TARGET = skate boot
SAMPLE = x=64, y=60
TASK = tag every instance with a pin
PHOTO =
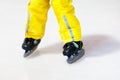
x=30, y=45
x=73, y=50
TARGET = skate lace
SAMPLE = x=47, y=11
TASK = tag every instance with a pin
x=30, y=41
x=71, y=44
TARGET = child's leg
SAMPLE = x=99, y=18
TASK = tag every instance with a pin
x=37, y=16
x=69, y=25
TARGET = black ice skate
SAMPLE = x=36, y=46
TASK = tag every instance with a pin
x=74, y=51
x=30, y=45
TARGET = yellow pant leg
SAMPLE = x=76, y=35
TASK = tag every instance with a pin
x=69, y=25
x=37, y=16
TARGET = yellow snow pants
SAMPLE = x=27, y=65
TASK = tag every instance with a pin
x=37, y=15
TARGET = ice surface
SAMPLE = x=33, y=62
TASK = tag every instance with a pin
x=100, y=22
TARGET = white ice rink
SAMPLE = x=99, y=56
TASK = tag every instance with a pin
x=100, y=22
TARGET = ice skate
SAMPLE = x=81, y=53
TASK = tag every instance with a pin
x=30, y=45
x=74, y=51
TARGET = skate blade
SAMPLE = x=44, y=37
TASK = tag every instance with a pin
x=29, y=52
x=76, y=57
